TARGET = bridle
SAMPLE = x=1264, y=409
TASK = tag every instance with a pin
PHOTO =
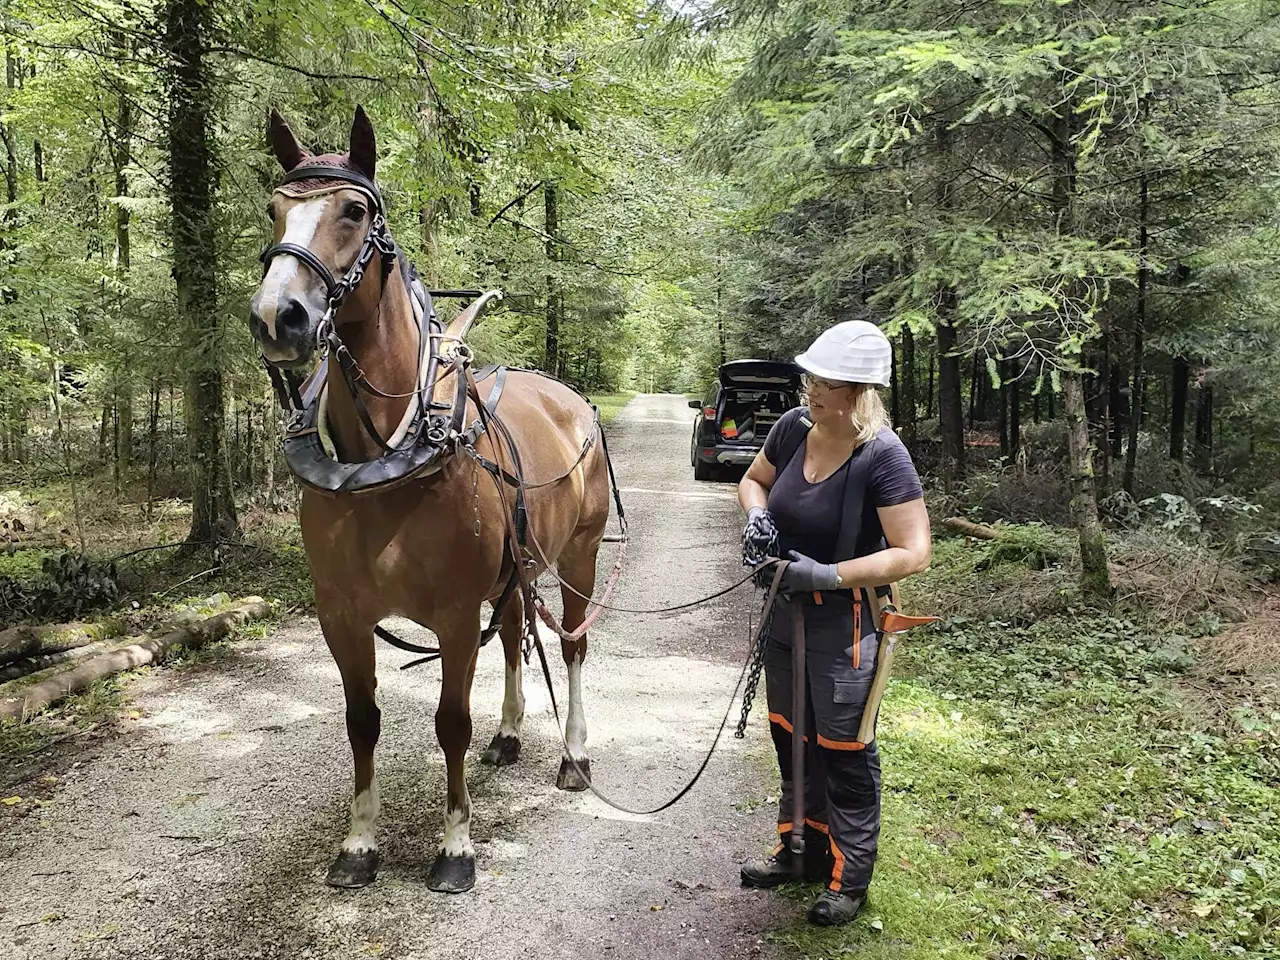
x=377, y=241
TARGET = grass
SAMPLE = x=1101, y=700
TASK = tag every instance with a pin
x=611, y=404
x=1049, y=793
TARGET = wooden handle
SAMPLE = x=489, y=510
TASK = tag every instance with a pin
x=884, y=664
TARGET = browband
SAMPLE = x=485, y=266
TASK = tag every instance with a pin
x=324, y=171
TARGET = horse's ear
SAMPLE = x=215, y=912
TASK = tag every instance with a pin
x=363, y=149
x=283, y=143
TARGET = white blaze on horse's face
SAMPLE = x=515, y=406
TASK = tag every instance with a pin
x=291, y=298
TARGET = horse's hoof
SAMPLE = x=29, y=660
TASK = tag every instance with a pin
x=452, y=874
x=503, y=751
x=569, y=778
x=353, y=870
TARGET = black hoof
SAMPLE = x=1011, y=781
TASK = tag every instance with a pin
x=503, y=751
x=352, y=870
x=569, y=778
x=452, y=874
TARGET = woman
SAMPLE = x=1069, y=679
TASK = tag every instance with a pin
x=838, y=489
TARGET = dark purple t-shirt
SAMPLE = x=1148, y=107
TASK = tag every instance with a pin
x=809, y=515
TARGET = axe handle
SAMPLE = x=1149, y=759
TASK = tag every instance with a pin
x=884, y=663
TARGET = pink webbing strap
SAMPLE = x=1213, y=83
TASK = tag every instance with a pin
x=597, y=608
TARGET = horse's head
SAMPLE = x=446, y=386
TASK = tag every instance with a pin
x=326, y=216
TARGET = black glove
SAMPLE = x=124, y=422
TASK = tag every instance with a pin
x=759, y=541
x=805, y=574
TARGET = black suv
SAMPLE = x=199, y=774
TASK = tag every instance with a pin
x=734, y=417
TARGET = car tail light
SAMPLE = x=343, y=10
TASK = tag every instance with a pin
x=708, y=451
x=709, y=412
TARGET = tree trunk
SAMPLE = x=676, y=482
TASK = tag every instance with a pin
x=1118, y=411
x=928, y=405
x=193, y=173
x=107, y=413
x=950, y=406
x=1204, y=430
x=724, y=354
x=269, y=452
x=1096, y=579
x=154, y=417
x=10, y=142
x=1136, y=397
x=1180, y=374
x=1015, y=418
x=1002, y=415
x=895, y=411
x=120, y=155
x=115, y=448
x=555, y=299
x=974, y=387
x=908, y=380
x=1094, y=575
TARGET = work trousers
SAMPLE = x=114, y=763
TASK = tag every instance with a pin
x=842, y=775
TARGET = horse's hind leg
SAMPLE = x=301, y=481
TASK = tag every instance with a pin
x=455, y=868
x=352, y=648
x=504, y=749
x=578, y=569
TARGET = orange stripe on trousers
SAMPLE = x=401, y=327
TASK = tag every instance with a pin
x=840, y=744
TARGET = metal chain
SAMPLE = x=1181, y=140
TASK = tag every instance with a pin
x=475, y=497
x=753, y=673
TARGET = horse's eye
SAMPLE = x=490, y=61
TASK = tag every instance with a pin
x=354, y=211
x=271, y=212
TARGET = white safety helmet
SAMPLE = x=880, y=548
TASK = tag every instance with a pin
x=851, y=352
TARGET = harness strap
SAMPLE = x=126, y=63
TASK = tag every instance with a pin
x=305, y=256
x=352, y=376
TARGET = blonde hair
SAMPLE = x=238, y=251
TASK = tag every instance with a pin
x=869, y=414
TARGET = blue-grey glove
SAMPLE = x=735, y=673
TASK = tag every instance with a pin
x=805, y=574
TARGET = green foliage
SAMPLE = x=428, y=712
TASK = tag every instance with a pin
x=69, y=585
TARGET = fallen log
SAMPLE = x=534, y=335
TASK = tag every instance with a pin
x=26, y=701
x=30, y=665
x=971, y=529
x=19, y=642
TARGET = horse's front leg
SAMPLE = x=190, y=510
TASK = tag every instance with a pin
x=351, y=643
x=455, y=868
x=505, y=746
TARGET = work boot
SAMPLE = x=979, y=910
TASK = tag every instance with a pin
x=835, y=909
x=775, y=870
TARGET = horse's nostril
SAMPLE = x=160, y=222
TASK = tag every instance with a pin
x=293, y=319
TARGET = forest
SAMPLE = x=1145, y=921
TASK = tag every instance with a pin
x=1063, y=213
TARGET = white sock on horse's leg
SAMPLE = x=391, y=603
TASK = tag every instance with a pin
x=513, y=702
x=457, y=830
x=364, y=820
x=575, y=728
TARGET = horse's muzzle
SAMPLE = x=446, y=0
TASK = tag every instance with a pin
x=294, y=334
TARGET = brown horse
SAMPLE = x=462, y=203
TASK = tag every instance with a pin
x=431, y=549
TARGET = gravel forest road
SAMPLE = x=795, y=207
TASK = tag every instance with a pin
x=203, y=830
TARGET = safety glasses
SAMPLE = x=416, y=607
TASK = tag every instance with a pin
x=812, y=383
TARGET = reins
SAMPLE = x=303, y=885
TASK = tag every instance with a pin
x=533, y=638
